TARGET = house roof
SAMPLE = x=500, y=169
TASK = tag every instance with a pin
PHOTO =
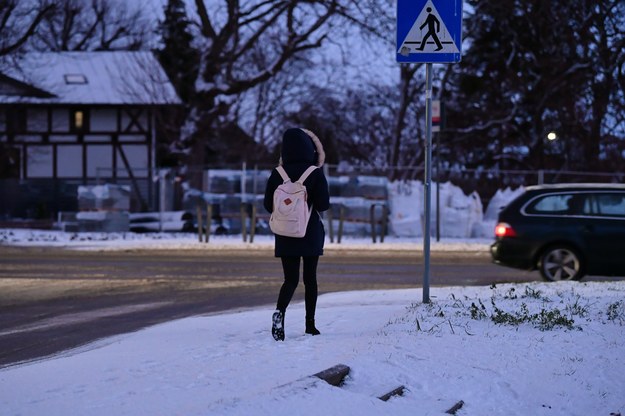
x=97, y=78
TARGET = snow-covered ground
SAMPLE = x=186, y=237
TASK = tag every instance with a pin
x=182, y=241
x=514, y=349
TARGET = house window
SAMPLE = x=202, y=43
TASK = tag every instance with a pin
x=10, y=162
x=16, y=120
x=39, y=161
x=99, y=161
x=69, y=161
x=79, y=120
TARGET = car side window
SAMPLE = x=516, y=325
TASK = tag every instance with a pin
x=612, y=205
x=549, y=204
x=560, y=204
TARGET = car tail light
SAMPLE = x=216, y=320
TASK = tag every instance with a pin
x=504, y=230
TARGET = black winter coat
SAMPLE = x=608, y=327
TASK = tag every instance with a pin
x=298, y=153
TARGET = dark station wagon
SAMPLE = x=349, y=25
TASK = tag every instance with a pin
x=565, y=231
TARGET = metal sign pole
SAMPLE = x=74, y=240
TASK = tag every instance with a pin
x=440, y=43
x=438, y=186
x=436, y=128
x=427, y=184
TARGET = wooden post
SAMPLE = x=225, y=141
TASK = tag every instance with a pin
x=243, y=225
x=198, y=213
x=372, y=220
x=395, y=392
x=455, y=408
x=334, y=375
x=209, y=221
x=384, y=222
x=253, y=224
x=341, y=219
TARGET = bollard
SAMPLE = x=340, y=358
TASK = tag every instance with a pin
x=209, y=221
x=198, y=211
x=385, y=214
x=243, y=221
x=383, y=221
x=253, y=224
x=372, y=220
x=341, y=219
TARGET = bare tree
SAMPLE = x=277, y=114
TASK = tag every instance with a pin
x=261, y=110
x=19, y=21
x=81, y=25
x=368, y=120
x=246, y=44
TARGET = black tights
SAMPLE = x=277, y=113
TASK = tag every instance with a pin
x=290, y=265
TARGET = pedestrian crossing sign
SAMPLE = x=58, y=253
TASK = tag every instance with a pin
x=429, y=31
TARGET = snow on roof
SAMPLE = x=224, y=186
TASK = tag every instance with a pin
x=107, y=78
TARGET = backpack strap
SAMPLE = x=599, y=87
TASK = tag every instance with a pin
x=282, y=173
x=306, y=173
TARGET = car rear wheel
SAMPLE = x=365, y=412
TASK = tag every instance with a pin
x=560, y=263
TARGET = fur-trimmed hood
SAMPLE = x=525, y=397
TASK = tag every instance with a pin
x=301, y=146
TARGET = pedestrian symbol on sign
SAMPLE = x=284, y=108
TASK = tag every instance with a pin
x=434, y=26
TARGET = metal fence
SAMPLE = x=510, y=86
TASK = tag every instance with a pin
x=250, y=180
x=235, y=193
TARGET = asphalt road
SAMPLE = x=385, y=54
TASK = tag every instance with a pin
x=52, y=300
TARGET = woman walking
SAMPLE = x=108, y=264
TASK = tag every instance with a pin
x=300, y=149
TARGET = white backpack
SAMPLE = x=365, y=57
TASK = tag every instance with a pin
x=290, y=209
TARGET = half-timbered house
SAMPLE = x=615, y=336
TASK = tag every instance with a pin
x=78, y=118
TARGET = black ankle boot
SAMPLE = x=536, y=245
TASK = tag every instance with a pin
x=310, y=327
x=277, y=325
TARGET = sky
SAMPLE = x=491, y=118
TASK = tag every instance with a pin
x=442, y=353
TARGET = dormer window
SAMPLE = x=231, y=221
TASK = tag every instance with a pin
x=73, y=79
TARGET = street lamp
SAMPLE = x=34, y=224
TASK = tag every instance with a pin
x=551, y=136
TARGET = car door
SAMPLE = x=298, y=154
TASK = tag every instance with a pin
x=603, y=227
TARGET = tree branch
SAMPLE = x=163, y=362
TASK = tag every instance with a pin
x=206, y=25
x=29, y=31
